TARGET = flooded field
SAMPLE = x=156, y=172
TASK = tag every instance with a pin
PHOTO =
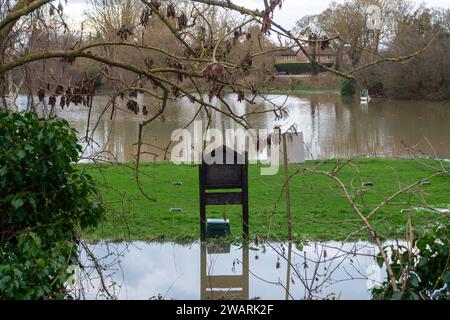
x=332, y=126
x=274, y=271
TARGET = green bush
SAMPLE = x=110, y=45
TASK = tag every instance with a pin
x=42, y=199
x=348, y=87
x=294, y=67
x=422, y=273
x=35, y=270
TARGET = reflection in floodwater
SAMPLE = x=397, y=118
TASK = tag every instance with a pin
x=333, y=126
x=219, y=286
x=275, y=271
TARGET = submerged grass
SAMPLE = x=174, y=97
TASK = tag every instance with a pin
x=319, y=209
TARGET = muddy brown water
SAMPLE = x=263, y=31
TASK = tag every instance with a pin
x=333, y=126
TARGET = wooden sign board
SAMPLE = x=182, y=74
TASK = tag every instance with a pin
x=218, y=176
x=221, y=177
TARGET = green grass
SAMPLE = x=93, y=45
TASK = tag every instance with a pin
x=319, y=210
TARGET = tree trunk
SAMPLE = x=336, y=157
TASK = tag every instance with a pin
x=4, y=34
x=339, y=56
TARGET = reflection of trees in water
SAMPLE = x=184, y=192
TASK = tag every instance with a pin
x=99, y=271
x=312, y=271
x=317, y=270
x=323, y=267
x=219, y=287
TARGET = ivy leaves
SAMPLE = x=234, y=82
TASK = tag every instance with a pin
x=44, y=201
x=422, y=273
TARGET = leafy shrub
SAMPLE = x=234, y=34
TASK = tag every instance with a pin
x=34, y=270
x=422, y=273
x=40, y=192
x=348, y=87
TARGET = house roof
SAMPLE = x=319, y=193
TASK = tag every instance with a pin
x=321, y=52
x=286, y=52
x=309, y=50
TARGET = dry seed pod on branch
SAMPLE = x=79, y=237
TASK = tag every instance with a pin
x=171, y=12
x=246, y=63
x=213, y=71
x=145, y=17
x=240, y=96
x=124, y=32
x=133, y=106
x=41, y=94
x=182, y=21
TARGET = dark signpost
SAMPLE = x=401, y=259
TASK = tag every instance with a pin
x=230, y=174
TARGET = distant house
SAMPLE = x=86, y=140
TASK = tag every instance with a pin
x=325, y=56
x=286, y=55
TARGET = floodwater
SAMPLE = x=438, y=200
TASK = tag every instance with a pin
x=275, y=271
x=332, y=126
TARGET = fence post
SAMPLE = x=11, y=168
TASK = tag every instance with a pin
x=286, y=186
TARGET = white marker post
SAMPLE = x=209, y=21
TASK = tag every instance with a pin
x=295, y=154
x=286, y=186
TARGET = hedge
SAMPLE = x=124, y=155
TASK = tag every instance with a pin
x=348, y=87
x=294, y=67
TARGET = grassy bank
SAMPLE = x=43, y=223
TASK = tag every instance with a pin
x=320, y=211
x=323, y=83
x=297, y=91
x=300, y=91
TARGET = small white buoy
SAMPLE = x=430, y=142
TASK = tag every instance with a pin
x=364, y=96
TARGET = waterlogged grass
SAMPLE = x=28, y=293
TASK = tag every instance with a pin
x=319, y=209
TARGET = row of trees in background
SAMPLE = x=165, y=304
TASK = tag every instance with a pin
x=405, y=32
x=428, y=75
x=420, y=35
x=128, y=29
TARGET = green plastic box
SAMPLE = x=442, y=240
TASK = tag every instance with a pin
x=216, y=228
